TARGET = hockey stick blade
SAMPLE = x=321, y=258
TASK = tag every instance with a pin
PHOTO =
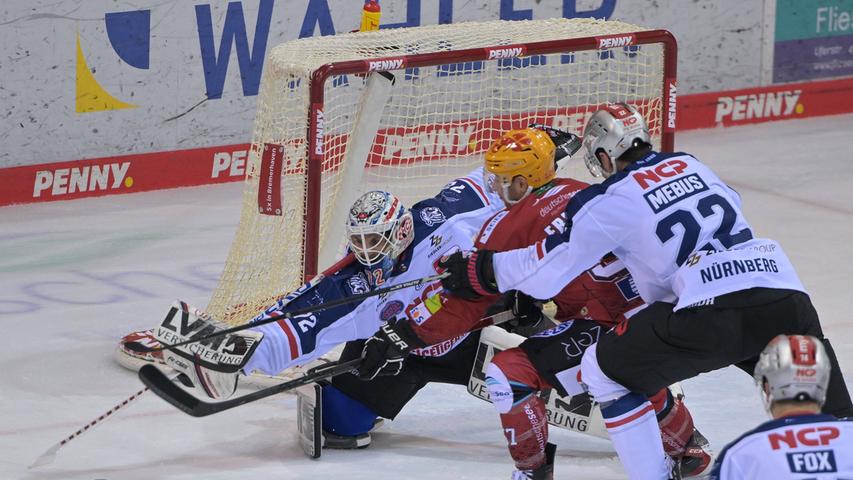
x=140, y=348
x=188, y=403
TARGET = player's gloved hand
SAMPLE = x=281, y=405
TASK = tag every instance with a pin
x=526, y=309
x=471, y=274
x=384, y=352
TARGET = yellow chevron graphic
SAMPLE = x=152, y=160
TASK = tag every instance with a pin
x=91, y=96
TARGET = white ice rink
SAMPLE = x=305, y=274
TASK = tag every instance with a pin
x=76, y=276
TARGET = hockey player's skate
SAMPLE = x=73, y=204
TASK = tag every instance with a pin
x=212, y=365
x=544, y=472
x=698, y=457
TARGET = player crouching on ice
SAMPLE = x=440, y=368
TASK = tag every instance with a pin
x=379, y=230
x=393, y=245
x=518, y=379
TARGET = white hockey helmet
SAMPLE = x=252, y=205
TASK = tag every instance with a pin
x=379, y=227
x=613, y=129
x=793, y=367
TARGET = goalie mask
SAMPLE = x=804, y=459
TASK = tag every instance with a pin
x=614, y=130
x=528, y=152
x=379, y=229
x=793, y=367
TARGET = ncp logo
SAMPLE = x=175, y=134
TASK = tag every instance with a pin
x=809, y=437
x=656, y=174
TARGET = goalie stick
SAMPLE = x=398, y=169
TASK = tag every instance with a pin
x=140, y=348
x=188, y=403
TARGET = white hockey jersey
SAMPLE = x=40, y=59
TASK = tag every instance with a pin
x=813, y=447
x=443, y=224
x=677, y=227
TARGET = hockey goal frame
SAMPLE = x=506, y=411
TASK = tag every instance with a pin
x=319, y=77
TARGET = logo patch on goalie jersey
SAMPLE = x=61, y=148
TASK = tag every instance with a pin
x=358, y=284
x=390, y=310
x=432, y=216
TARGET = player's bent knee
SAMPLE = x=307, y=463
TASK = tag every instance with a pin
x=500, y=392
x=600, y=386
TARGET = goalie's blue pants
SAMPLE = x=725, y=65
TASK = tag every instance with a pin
x=343, y=415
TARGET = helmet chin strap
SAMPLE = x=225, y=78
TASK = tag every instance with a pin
x=505, y=196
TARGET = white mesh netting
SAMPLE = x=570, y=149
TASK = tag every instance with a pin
x=434, y=126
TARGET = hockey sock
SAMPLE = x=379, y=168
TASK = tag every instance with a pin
x=343, y=415
x=631, y=423
x=526, y=429
x=510, y=378
x=676, y=425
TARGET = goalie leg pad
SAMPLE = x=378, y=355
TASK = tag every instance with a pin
x=212, y=365
x=309, y=418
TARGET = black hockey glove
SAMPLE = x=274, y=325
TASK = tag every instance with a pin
x=471, y=274
x=567, y=143
x=526, y=309
x=384, y=352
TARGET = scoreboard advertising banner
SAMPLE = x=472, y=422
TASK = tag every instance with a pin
x=112, y=96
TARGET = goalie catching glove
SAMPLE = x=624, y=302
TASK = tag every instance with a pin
x=384, y=352
x=212, y=365
x=471, y=274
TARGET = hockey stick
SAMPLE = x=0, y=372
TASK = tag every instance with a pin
x=140, y=348
x=49, y=455
x=188, y=403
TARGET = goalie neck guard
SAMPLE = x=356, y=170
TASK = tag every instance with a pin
x=793, y=367
x=379, y=229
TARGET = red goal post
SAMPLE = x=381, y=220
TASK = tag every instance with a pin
x=329, y=127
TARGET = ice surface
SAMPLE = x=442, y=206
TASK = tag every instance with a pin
x=76, y=276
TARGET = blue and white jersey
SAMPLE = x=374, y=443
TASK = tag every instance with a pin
x=806, y=447
x=442, y=224
x=677, y=227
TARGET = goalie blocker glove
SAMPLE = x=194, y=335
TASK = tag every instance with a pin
x=384, y=352
x=212, y=365
x=471, y=274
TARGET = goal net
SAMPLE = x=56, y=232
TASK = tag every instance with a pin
x=330, y=127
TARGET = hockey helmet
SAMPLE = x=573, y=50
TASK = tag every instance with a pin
x=528, y=152
x=793, y=367
x=379, y=228
x=614, y=129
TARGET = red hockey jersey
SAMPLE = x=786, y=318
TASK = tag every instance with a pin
x=604, y=293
